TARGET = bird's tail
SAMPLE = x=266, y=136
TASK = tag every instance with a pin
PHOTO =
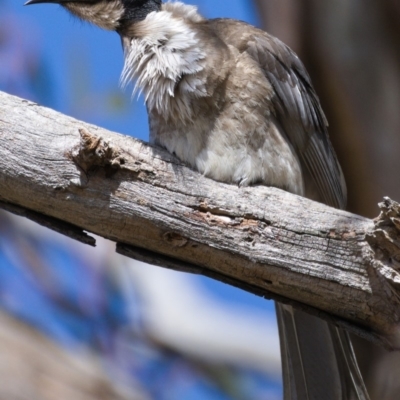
x=318, y=360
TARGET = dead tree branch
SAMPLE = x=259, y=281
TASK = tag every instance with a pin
x=73, y=177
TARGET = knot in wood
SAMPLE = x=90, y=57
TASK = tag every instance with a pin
x=385, y=238
x=175, y=239
x=93, y=152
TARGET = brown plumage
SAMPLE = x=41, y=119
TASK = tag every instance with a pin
x=295, y=105
x=237, y=104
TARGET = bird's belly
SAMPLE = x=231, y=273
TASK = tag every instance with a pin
x=270, y=164
x=227, y=154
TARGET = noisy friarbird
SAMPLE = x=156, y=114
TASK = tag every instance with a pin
x=237, y=105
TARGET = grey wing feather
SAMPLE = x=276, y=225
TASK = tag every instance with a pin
x=307, y=341
x=317, y=358
x=313, y=346
x=298, y=110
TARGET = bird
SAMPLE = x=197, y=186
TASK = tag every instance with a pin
x=237, y=104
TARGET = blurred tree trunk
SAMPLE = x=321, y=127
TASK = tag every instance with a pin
x=352, y=52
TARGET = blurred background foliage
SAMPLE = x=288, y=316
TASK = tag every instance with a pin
x=88, y=324
x=351, y=49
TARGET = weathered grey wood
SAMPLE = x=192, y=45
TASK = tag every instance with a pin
x=261, y=239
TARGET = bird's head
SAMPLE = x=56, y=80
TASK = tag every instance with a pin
x=107, y=14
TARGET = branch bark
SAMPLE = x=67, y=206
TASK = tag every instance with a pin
x=74, y=177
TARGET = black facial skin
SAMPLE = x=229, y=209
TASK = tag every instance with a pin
x=137, y=10
x=29, y=2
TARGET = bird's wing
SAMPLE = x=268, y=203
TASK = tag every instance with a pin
x=295, y=103
x=317, y=358
x=318, y=361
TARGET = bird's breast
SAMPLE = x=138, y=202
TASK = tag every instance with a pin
x=209, y=103
x=235, y=147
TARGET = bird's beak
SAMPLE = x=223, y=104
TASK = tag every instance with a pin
x=29, y=2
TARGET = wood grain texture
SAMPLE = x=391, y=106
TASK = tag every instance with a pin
x=261, y=239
